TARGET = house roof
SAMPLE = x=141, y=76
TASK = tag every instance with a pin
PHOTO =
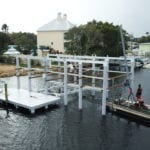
x=58, y=24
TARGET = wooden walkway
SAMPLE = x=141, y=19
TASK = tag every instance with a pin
x=129, y=111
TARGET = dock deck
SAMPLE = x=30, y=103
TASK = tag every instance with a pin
x=28, y=100
x=127, y=111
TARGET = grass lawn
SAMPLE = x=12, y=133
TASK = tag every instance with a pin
x=7, y=70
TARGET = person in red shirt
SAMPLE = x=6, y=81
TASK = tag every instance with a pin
x=139, y=98
x=131, y=96
x=139, y=92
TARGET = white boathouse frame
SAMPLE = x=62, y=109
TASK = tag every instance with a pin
x=79, y=61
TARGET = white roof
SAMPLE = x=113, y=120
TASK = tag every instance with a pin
x=11, y=51
x=58, y=24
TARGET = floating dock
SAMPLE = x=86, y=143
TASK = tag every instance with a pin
x=28, y=100
x=129, y=112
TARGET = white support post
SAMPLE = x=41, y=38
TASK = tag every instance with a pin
x=93, y=79
x=46, y=69
x=18, y=72
x=65, y=84
x=105, y=79
x=80, y=85
x=29, y=74
x=107, y=62
x=59, y=65
x=75, y=71
x=132, y=73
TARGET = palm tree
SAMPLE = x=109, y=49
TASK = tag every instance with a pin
x=5, y=28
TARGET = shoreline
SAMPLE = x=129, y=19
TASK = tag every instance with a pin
x=7, y=70
x=10, y=70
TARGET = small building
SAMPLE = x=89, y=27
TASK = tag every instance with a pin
x=144, y=48
x=11, y=50
x=51, y=35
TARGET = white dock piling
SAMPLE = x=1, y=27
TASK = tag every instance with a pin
x=105, y=75
x=93, y=79
x=46, y=69
x=29, y=74
x=75, y=71
x=132, y=73
x=59, y=69
x=17, y=72
x=65, y=84
x=80, y=85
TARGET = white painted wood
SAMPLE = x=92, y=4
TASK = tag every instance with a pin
x=80, y=60
x=80, y=86
x=132, y=73
x=17, y=72
x=65, y=84
x=29, y=74
x=29, y=100
x=93, y=74
x=105, y=72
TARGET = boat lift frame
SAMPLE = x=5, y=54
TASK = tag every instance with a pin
x=78, y=60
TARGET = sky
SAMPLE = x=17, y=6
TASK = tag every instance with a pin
x=29, y=15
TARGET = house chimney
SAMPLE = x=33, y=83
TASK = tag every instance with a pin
x=65, y=16
x=59, y=16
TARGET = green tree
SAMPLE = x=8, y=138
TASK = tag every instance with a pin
x=96, y=38
x=25, y=41
x=4, y=42
x=144, y=39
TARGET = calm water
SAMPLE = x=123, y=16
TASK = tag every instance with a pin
x=68, y=129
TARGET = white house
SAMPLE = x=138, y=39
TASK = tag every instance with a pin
x=144, y=48
x=51, y=35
